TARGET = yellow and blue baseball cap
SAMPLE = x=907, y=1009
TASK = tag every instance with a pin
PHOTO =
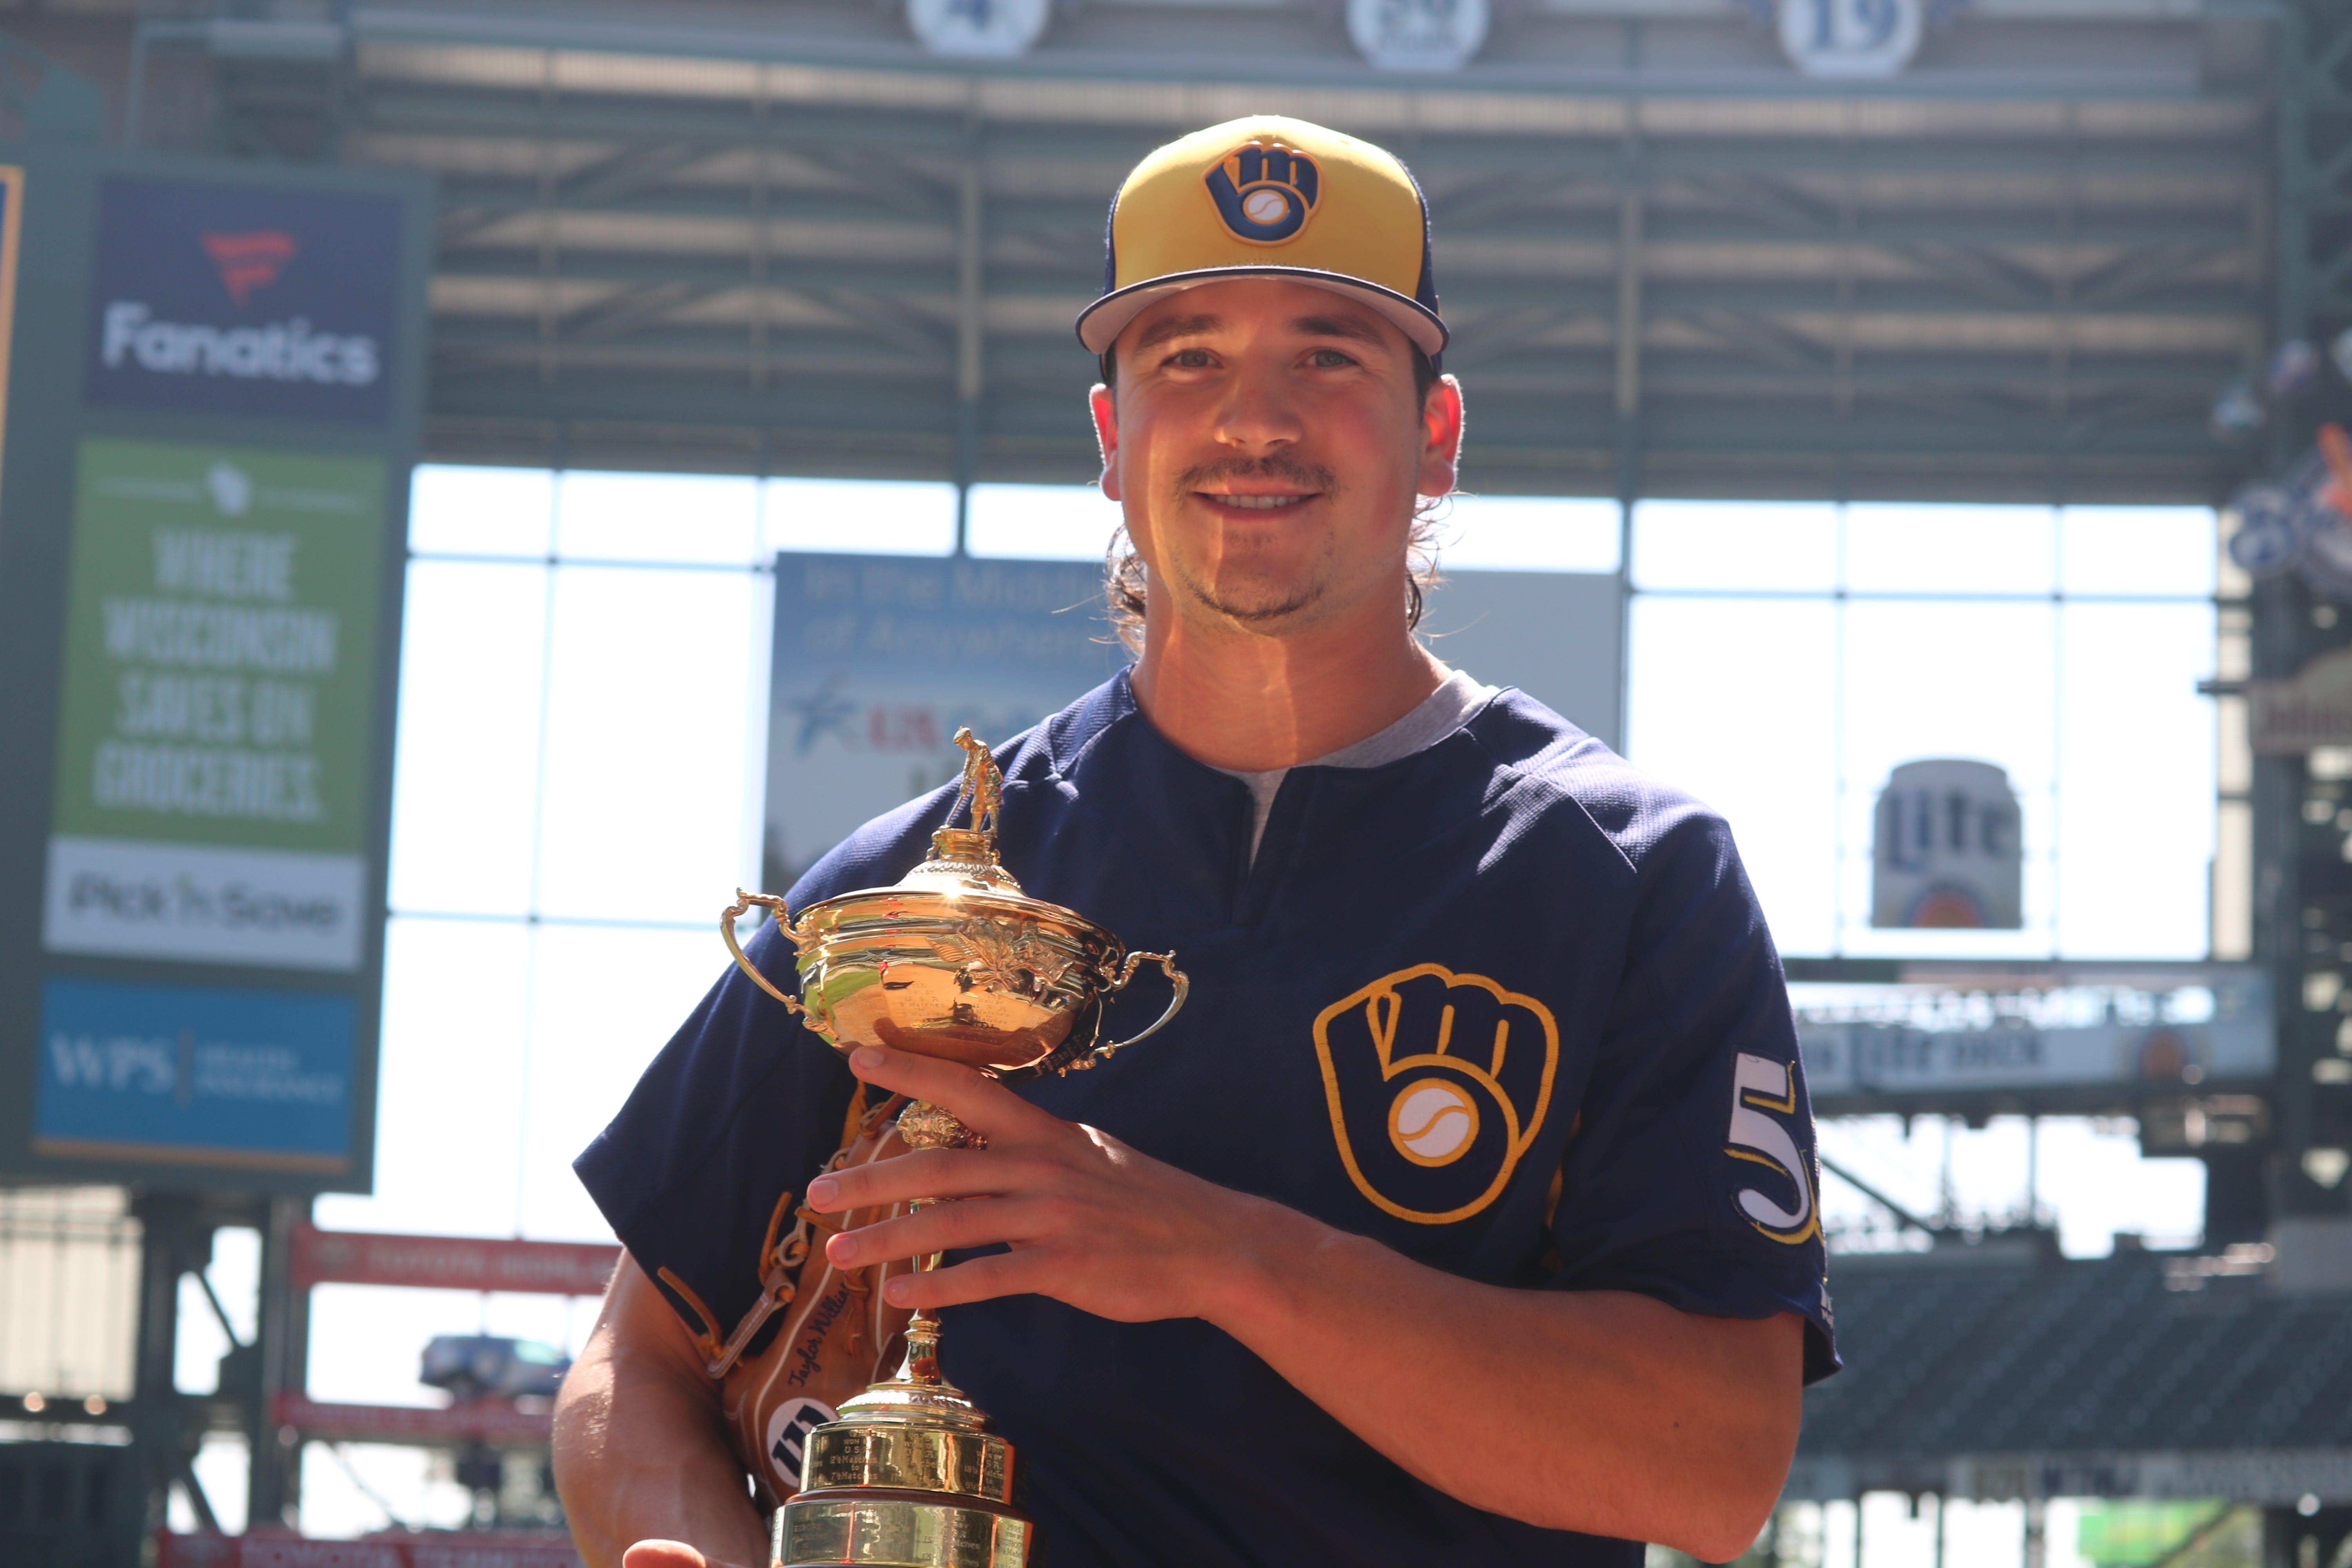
x=1269, y=197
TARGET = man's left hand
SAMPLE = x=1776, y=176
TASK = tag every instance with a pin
x=1088, y=1220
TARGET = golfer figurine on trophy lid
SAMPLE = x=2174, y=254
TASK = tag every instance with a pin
x=954, y=961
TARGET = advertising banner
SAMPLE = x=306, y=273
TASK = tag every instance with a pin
x=1556, y=635
x=451, y=1262
x=1948, y=851
x=193, y=1075
x=213, y=766
x=879, y=658
x=238, y=299
x=1893, y=1059
x=2311, y=709
x=211, y=420
x=1860, y=1059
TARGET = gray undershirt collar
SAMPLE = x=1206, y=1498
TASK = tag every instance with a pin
x=1436, y=716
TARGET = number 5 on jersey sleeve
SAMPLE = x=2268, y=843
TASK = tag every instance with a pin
x=1760, y=1086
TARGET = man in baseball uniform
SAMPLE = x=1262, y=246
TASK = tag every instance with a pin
x=1468, y=1213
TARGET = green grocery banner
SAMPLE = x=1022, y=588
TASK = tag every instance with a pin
x=213, y=760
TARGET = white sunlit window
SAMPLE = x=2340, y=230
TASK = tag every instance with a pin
x=1784, y=659
x=582, y=713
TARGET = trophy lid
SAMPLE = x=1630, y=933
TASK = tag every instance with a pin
x=965, y=857
x=955, y=959
x=960, y=878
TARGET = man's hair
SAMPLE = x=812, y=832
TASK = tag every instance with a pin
x=1125, y=579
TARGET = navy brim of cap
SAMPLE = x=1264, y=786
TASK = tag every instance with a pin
x=1101, y=323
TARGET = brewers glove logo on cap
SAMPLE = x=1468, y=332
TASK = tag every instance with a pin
x=1264, y=194
x=1269, y=197
x=1438, y=1085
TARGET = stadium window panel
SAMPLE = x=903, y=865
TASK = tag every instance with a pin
x=1735, y=701
x=2136, y=770
x=1956, y=635
x=449, y=1090
x=2136, y=550
x=1041, y=522
x=1949, y=550
x=465, y=770
x=1528, y=533
x=592, y=1036
x=1736, y=546
x=458, y=511
x=650, y=740
x=1949, y=680
x=869, y=517
x=702, y=520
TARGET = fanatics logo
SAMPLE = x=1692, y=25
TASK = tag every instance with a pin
x=250, y=261
x=279, y=350
x=268, y=297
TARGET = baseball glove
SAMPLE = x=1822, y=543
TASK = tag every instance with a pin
x=836, y=1336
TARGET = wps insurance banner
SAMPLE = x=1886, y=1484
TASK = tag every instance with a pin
x=213, y=766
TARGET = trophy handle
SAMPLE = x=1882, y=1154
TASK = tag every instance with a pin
x=743, y=906
x=1176, y=977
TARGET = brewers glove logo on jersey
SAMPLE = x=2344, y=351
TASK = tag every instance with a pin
x=1266, y=195
x=1762, y=1091
x=1438, y=1084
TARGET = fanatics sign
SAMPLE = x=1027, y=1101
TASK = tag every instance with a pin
x=244, y=299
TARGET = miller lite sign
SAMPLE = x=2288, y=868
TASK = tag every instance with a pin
x=245, y=299
x=1948, y=850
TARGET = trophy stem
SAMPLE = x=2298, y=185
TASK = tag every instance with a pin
x=921, y=1364
x=923, y=1125
x=908, y=1475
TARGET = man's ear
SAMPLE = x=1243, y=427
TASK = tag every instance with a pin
x=1440, y=438
x=1106, y=412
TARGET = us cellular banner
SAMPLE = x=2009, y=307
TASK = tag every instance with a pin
x=213, y=776
x=879, y=658
x=244, y=299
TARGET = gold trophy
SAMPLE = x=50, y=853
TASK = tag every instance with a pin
x=954, y=961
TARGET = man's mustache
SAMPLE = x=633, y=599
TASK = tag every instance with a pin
x=1289, y=470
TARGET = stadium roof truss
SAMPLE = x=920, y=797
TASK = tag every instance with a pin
x=781, y=237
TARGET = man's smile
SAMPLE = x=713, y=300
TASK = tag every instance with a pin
x=1254, y=503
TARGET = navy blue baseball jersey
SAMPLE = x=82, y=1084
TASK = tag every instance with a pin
x=1505, y=1005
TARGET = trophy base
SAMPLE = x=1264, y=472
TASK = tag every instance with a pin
x=867, y=1526
x=909, y=1476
